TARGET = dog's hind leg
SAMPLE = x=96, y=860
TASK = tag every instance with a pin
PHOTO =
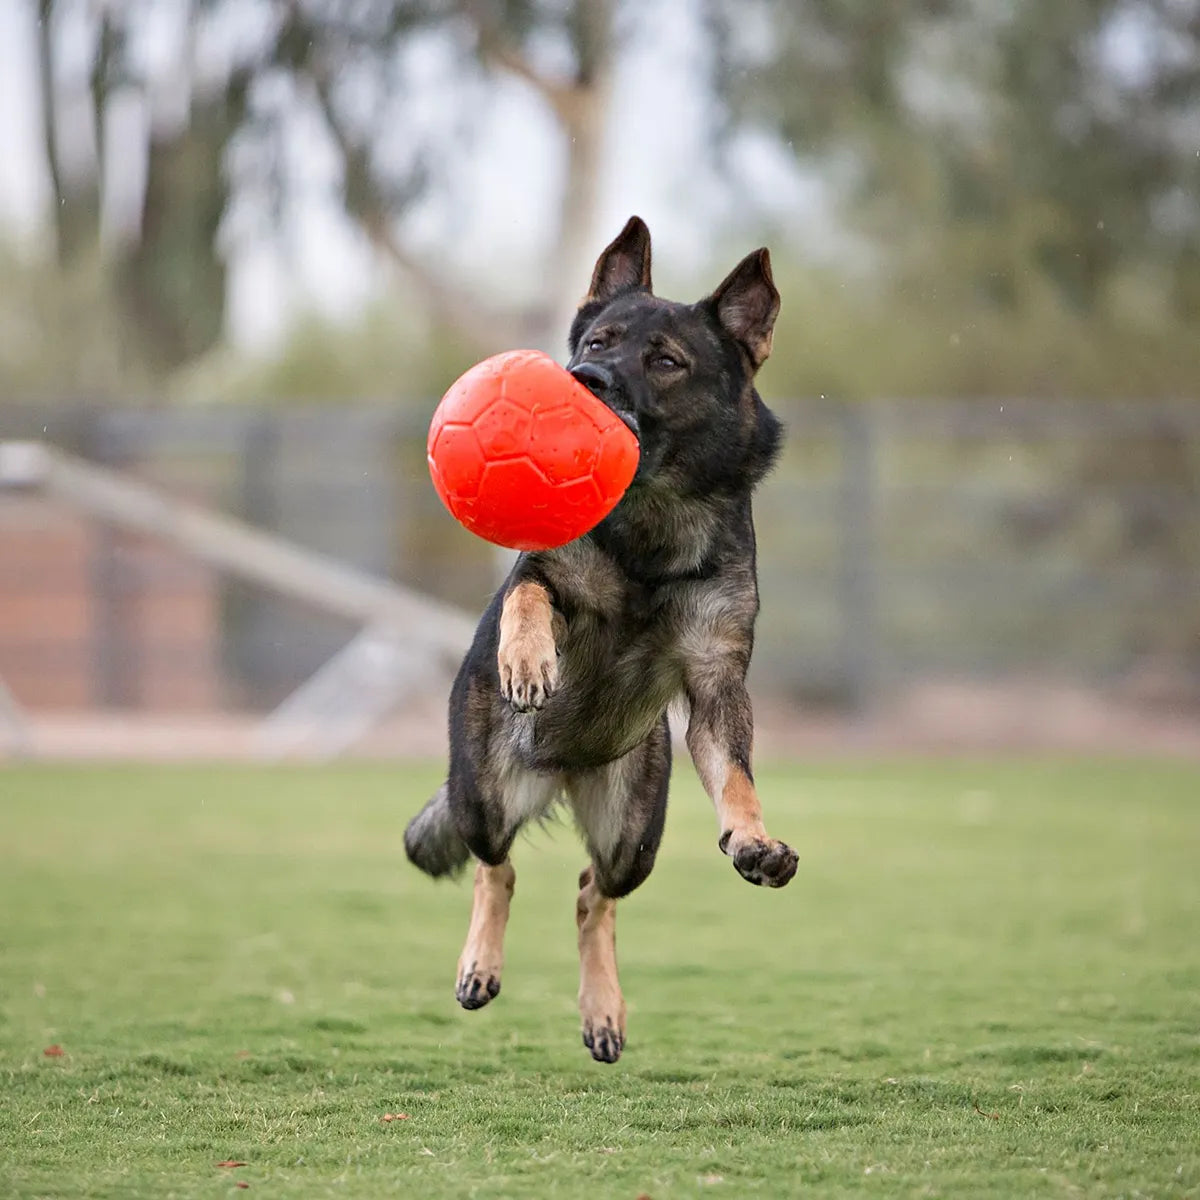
x=601, y=1004
x=482, y=958
x=621, y=808
x=489, y=816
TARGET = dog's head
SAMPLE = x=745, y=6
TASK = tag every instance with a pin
x=681, y=375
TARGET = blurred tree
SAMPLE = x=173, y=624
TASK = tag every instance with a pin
x=162, y=265
x=988, y=148
x=171, y=277
x=351, y=60
x=75, y=199
x=1030, y=173
x=349, y=64
x=994, y=141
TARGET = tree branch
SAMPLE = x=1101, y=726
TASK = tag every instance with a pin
x=496, y=51
x=45, y=54
x=486, y=328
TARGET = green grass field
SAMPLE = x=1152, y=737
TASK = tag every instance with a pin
x=984, y=981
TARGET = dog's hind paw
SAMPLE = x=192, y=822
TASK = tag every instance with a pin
x=475, y=988
x=605, y=1041
x=763, y=861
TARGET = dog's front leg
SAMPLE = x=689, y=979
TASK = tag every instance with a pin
x=528, y=656
x=719, y=737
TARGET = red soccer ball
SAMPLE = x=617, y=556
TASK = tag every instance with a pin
x=525, y=456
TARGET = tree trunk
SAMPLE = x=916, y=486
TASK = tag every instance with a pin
x=172, y=279
x=583, y=113
x=75, y=202
x=580, y=105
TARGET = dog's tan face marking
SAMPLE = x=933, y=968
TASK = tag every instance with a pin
x=482, y=958
x=601, y=1005
x=528, y=657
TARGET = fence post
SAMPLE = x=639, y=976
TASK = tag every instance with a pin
x=859, y=565
x=259, y=451
x=114, y=656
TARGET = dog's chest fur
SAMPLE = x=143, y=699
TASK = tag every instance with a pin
x=627, y=647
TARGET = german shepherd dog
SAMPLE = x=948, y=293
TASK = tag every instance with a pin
x=565, y=690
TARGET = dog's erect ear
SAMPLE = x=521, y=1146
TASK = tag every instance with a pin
x=747, y=304
x=624, y=264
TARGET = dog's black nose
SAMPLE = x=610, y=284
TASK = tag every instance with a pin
x=596, y=378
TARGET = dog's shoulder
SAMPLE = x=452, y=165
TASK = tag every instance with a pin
x=578, y=575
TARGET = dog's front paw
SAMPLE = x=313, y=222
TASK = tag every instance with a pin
x=762, y=861
x=528, y=670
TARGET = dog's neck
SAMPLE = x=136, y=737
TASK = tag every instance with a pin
x=658, y=537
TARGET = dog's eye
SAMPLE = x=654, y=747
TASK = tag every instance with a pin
x=666, y=362
x=594, y=345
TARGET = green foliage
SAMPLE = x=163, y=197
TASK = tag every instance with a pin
x=1053, y=134
x=1025, y=174
x=982, y=983
x=925, y=332
x=931, y=332
x=924, y=328
x=62, y=337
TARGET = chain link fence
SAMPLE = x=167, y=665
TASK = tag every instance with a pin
x=898, y=541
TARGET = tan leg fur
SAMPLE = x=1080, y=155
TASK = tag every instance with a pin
x=483, y=955
x=758, y=857
x=527, y=658
x=601, y=1005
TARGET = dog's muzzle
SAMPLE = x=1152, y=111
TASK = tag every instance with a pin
x=602, y=383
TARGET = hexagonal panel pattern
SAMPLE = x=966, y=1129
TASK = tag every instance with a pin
x=524, y=456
